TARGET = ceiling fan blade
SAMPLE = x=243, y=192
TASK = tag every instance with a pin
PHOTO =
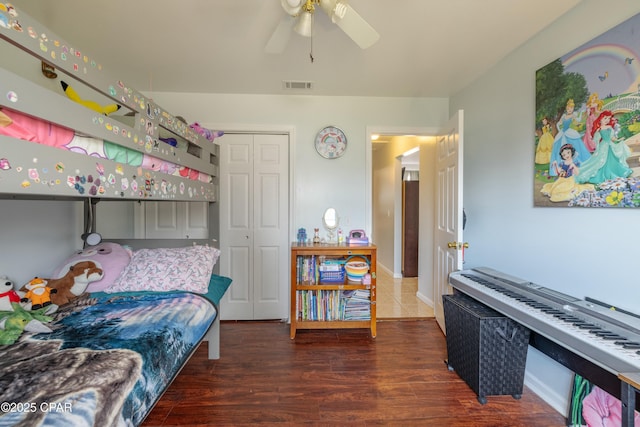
x=353, y=25
x=280, y=37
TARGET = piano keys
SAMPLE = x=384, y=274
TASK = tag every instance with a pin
x=608, y=338
x=587, y=336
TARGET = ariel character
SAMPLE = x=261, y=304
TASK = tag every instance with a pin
x=609, y=161
x=568, y=135
x=594, y=108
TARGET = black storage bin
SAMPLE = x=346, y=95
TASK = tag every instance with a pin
x=486, y=349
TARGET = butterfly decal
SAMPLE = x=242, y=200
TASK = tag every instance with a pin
x=603, y=78
x=628, y=61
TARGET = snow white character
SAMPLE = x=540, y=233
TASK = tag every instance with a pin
x=565, y=187
x=568, y=135
x=609, y=161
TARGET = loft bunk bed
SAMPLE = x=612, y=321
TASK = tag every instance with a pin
x=113, y=326
x=150, y=154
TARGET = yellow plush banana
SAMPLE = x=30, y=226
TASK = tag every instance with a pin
x=73, y=95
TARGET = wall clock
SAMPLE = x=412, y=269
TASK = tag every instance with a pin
x=331, y=142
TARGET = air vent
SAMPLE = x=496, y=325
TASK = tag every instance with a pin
x=296, y=85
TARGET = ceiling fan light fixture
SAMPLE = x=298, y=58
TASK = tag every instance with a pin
x=339, y=11
x=292, y=7
x=304, y=24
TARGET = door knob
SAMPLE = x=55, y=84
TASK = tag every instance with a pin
x=457, y=245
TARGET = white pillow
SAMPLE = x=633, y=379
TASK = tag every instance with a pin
x=167, y=269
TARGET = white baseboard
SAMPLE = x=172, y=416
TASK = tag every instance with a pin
x=389, y=272
x=548, y=394
x=422, y=297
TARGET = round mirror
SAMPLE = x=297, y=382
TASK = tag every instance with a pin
x=330, y=220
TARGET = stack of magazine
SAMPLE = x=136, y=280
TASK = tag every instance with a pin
x=357, y=304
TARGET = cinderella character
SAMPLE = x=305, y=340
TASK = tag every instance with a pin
x=609, y=161
x=567, y=135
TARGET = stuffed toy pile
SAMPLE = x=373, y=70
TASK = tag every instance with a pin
x=16, y=316
x=13, y=323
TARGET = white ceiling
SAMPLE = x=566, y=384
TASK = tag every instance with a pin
x=427, y=48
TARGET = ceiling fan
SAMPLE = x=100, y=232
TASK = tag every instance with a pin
x=300, y=14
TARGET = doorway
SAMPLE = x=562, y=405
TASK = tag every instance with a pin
x=410, y=215
x=411, y=149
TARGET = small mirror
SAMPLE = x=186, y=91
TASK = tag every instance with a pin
x=331, y=221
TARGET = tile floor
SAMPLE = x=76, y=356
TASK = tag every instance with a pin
x=397, y=298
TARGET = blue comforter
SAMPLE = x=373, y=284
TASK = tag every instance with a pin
x=106, y=363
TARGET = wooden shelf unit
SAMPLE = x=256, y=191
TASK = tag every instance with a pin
x=331, y=251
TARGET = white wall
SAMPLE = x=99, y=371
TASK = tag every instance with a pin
x=426, y=252
x=36, y=236
x=582, y=252
x=318, y=182
x=383, y=204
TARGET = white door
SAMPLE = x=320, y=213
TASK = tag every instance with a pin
x=254, y=230
x=448, y=227
x=176, y=220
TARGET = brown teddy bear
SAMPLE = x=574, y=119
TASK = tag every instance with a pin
x=74, y=283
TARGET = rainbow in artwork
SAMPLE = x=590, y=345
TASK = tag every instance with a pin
x=615, y=54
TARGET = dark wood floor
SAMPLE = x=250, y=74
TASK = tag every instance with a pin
x=335, y=378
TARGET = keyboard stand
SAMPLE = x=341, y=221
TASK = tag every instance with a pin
x=630, y=385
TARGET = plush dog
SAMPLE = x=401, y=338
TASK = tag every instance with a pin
x=7, y=294
x=74, y=283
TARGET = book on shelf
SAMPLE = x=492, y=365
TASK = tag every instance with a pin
x=306, y=271
x=330, y=305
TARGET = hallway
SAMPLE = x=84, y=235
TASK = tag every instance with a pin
x=397, y=298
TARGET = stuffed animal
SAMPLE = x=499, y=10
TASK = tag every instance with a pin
x=207, y=133
x=13, y=323
x=8, y=295
x=38, y=293
x=157, y=164
x=110, y=257
x=73, y=95
x=74, y=283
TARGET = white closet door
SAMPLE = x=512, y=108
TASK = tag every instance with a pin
x=176, y=220
x=254, y=207
x=270, y=226
x=196, y=220
x=236, y=219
